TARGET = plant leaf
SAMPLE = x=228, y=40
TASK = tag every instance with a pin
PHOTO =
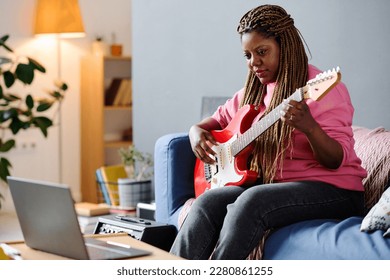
x=64, y=86
x=44, y=106
x=4, y=169
x=11, y=98
x=25, y=73
x=36, y=65
x=42, y=123
x=2, y=43
x=9, y=78
x=56, y=94
x=29, y=101
x=7, y=146
x=17, y=125
x=4, y=38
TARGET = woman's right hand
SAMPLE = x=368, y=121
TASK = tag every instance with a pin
x=202, y=142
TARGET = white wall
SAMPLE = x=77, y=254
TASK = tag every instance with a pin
x=186, y=49
x=100, y=18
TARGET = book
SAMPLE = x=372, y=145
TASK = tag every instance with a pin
x=112, y=91
x=102, y=186
x=3, y=256
x=127, y=96
x=110, y=175
x=91, y=209
x=120, y=96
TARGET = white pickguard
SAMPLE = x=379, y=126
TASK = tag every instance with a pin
x=223, y=172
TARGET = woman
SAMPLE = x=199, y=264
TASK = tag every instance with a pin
x=306, y=161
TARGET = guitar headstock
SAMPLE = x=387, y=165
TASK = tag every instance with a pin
x=319, y=86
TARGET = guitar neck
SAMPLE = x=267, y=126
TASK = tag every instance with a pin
x=262, y=125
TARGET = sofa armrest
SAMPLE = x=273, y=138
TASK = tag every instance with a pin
x=174, y=164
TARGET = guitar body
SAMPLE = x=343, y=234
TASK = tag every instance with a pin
x=229, y=170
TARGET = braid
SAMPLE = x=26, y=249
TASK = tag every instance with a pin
x=273, y=21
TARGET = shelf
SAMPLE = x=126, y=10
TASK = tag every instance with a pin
x=117, y=58
x=99, y=121
x=117, y=144
x=114, y=108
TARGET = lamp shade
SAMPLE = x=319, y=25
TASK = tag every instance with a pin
x=61, y=17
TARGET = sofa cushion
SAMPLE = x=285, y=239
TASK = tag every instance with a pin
x=326, y=240
x=372, y=146
x=379, y=216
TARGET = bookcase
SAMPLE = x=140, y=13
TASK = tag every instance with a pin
x=104, y=128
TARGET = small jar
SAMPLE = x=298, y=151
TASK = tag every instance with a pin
x=116, y=50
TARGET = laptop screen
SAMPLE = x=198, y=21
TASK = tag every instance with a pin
x=47, y=217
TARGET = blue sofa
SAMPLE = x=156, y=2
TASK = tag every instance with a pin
x=313, y=239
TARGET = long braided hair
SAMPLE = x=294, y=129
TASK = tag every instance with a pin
x=273, y=21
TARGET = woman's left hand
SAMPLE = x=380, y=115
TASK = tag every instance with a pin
x=326, y=150
x=297, y=115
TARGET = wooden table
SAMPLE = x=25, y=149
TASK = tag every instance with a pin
x=156, y=253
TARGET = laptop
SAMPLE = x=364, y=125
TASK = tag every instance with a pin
x=49, y=223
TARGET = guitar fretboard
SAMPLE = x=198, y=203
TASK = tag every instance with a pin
x=262, y=125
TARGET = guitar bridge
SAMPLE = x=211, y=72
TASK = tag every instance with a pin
x=211, y=170
x=207, y=172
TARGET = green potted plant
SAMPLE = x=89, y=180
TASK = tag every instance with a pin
x=21, y=112
x=138, y=186
x=138, y=165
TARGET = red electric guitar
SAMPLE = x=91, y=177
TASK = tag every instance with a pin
x=235, y=142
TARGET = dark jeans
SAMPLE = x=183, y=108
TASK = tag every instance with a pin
x=228, y=222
